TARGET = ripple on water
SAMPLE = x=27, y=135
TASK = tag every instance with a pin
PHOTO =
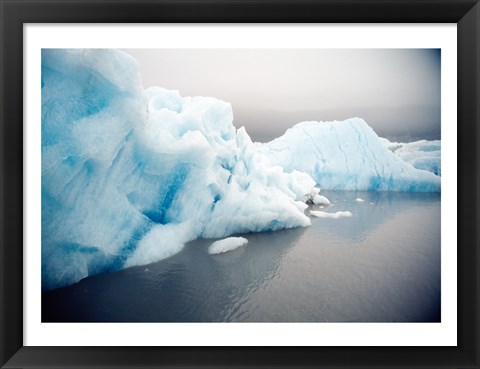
x=380, y=264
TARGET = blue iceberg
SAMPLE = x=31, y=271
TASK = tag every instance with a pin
x=130, y=175
x=347, y=155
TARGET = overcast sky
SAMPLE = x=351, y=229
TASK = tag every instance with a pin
x=397, y=91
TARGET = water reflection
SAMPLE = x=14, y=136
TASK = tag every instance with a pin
x=382, y=264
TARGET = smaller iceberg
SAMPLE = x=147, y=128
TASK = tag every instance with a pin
x=348, y=155
x=423, y=154
x=227, y=244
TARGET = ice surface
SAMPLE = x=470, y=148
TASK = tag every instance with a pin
x=130, y=175
x=421, y=154
x=227, y=244
x=324, y=214
x=346, y=155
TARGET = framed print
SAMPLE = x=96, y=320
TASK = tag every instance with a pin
x=318, y=209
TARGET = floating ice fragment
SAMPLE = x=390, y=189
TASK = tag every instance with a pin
x=321, y=200
x=227, y=244
x=358, y=199
x=324, y=214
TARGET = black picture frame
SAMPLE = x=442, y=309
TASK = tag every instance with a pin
x=15, y=13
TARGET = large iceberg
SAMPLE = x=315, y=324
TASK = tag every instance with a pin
x=346, y=155
x=129, y=176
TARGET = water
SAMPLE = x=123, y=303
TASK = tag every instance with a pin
x=380, y=265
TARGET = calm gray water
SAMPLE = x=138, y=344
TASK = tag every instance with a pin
x=380, y=265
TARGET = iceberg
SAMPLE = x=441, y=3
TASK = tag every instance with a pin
x=130, y=175
x=421, y=154
x=346, y=155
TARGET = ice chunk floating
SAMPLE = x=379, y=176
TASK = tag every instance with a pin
x=324, y=214
x=227, y=244
x=130, y=175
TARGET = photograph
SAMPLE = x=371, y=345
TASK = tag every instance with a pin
x=266, y=184
x=239, y=185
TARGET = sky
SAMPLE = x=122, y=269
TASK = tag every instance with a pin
x=396, y=91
